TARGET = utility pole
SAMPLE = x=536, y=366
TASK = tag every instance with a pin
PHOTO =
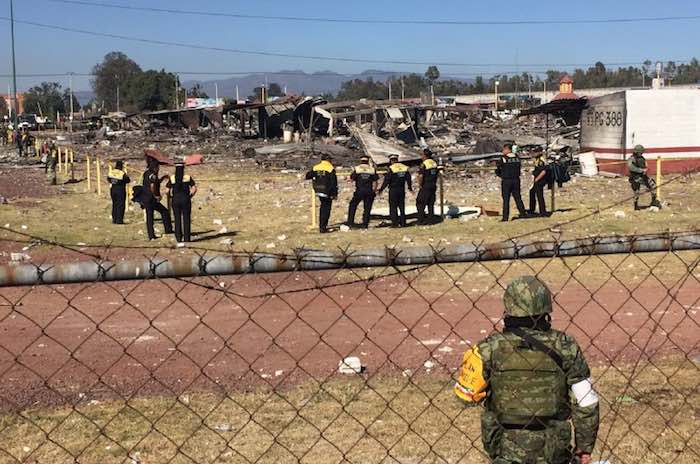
x=216, y=92
x=496, y=84
x=177, y=92
x=237, y=97
x=389, y=89
x=14, y=69
x=70, y=89
x=117, y=79
x=403, y=90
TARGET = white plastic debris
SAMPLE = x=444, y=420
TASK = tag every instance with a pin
x=351, y=365
x=344, y=228
x=620, y=214
x=282, y=237
x=218, y=222
x=18, y=257
x=428, y=364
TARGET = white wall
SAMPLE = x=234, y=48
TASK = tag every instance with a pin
x=664, y=119
x=603, y=125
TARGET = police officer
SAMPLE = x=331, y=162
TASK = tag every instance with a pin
x=118, y=179
x=508, y=169
x=397, y=178
x=325, y=183
x=427, y=180
x=637, y=166
x=534, y=382
x=181, y=188
x=541, y=178
x=150, y=199
x=366, y=180
x=51, y=163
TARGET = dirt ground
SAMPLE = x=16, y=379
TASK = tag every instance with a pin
x=243, y=207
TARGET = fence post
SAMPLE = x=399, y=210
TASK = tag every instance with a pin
x=658, y=177
x=98, y=176
x=87, y=172
x=128, y=189
x=313, y=208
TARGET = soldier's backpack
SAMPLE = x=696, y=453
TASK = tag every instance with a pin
x=528, y=384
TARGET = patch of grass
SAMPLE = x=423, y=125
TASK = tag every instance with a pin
x=649, y=416
x=259, y=208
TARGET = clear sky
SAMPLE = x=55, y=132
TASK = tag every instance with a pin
x=514, y=47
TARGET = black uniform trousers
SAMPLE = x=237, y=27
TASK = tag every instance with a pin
x=511, y=188
x=397, y=207
x=537, y=196
x=118, y=194
x=426, y=199
x=367, y=200
x=182, y=210
x=155, y=205
x=324, y=213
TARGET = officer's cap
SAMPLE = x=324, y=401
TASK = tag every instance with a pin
x=527, y=296
x=325, y=157
x=427, y=152
x=639, y=149
x=393, y=157
x=364, y=159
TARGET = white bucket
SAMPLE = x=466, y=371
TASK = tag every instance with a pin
x=589, y=166
x=297, y=137
x=287, y=135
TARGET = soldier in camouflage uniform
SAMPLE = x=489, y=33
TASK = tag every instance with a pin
x=534, y=384
x=637, y=166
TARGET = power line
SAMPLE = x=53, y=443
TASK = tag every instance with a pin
x=290, y=55
x=442, y=22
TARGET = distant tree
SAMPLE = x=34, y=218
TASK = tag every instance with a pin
x=66, y=101
x=3, y=108
x=115, y=70
x=479, y=86
x=197, y=91
x=274, y=90
x=45, y=98
x=432, y=74
x=150, y=91
x=358, y=89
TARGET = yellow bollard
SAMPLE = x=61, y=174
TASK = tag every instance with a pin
x=71, y=157
x=313, y=209
x=658, y=177
x=98, y=176
x=87, y=172
x=128, y=189
x=59, y=160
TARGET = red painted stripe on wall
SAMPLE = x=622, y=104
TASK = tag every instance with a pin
x=621, y=151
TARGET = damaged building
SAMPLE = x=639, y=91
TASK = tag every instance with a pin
x=666, y=121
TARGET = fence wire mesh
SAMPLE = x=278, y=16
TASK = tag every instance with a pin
x=245, y=368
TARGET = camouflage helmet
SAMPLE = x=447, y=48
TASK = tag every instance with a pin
x=527, y=296
x=639, y=149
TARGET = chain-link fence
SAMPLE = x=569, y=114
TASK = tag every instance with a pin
x=187, y=362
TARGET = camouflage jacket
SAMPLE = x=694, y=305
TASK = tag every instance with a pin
x=636, y=165
x=583, y=414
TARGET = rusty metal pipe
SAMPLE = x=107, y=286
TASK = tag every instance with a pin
x=313, y=260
